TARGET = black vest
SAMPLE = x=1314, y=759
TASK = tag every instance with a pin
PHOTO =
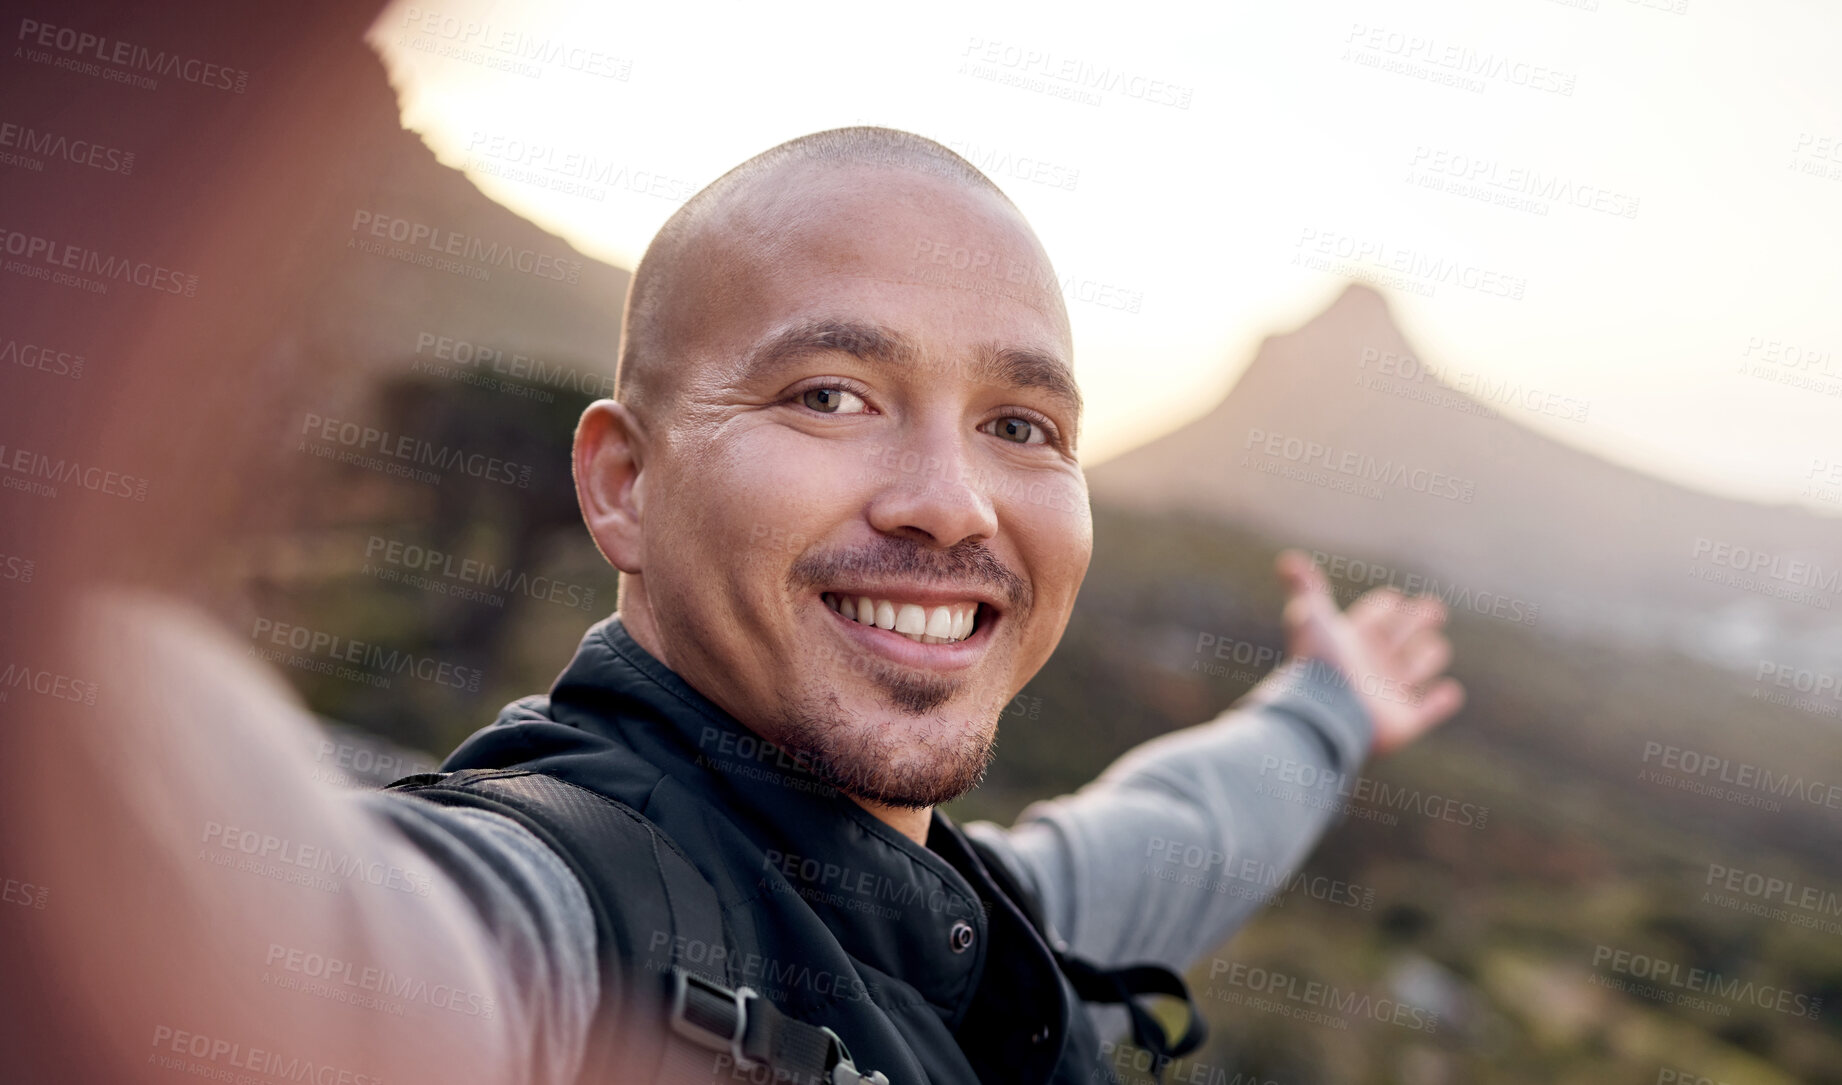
x=916, y=958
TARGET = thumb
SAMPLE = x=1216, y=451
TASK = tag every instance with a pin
x=1309, y=607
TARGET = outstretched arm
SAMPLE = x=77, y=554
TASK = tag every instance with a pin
x=1175, y=845
x=211, y=909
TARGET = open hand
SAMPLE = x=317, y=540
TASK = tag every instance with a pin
x=1389, y=647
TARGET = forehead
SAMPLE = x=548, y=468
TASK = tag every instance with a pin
x=950, y=266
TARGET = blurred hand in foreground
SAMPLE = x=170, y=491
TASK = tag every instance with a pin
x=1390, y=647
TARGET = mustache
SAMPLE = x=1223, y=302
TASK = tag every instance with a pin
x=966, y=564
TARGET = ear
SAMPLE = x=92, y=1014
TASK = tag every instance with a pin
x=610, y=454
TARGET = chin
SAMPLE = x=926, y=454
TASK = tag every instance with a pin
x=887, y=754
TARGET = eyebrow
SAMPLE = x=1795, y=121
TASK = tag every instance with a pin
x=1010, y=367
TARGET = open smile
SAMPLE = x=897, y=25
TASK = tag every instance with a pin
x=929, y=630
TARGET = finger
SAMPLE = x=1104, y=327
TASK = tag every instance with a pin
x=1308, y=593
x=1438, y=704
x=1424, y=656
x=1298, y=572
x=1428, y=611
x=1388, y=618
x=1442, y=701
x=1376, y=609
x=1410, y=617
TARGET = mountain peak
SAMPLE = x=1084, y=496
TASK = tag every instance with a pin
x=1355, y=334
x=1340, y=438
x=1360, y=294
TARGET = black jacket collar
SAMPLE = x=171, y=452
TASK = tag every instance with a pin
x=617, y=719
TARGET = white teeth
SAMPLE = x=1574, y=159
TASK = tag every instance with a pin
x=926, y=625
x=911, y=619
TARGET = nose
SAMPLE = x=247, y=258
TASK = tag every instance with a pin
x=931, y=492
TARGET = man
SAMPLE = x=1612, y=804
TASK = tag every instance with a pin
x=840, y=484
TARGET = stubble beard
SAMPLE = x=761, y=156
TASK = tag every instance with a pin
x=888, y=760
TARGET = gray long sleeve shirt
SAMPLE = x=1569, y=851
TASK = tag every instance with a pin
x=1159, y=859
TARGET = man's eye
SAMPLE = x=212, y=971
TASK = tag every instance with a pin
x=833, y=401
x=1018, y=429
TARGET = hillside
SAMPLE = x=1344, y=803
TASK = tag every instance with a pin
x=1342, y=438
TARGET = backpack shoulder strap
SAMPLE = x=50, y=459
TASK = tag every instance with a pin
x=1093, y=983
x=662, y=947
x=649, y=915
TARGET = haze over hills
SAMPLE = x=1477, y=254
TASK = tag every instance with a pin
x=1341, y=439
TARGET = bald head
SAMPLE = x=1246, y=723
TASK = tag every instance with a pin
x=693, y=261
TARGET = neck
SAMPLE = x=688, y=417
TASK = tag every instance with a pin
x=907, y=820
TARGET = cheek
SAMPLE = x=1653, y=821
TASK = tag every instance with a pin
x=1055, y=538
x=1056, y=531
x=760, y=499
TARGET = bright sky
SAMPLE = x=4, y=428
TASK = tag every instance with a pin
x=1221, y=167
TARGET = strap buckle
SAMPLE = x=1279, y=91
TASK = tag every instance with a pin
x=713, y=1016
x=844, y=1071
x=701, y=1022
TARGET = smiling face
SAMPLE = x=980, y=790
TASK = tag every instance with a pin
x=861, y=525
